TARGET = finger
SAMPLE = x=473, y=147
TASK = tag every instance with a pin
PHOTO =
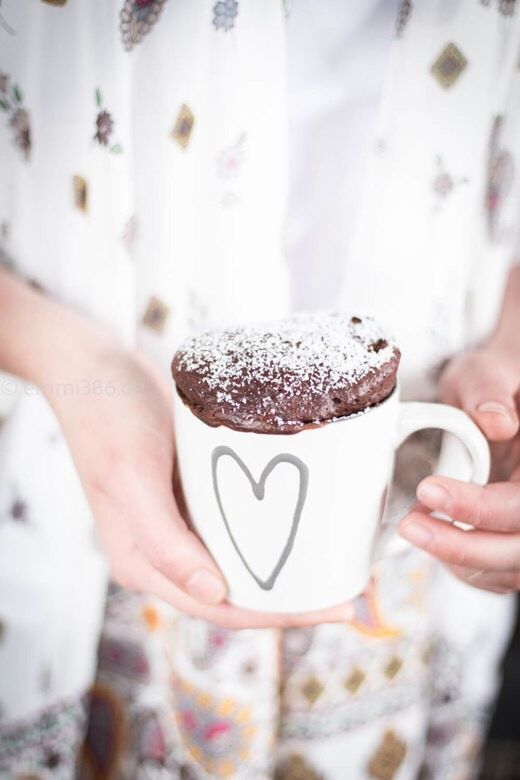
x=496, y=582
x=488, y=399
x=480, y=550
x=145, y=578
x=229, y=616
x=494, y=507
x=131, y=569
x=153, y=520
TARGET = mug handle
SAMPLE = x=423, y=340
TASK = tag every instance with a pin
x=417, y=416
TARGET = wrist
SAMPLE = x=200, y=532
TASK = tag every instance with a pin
x=65, y=346
x=41, y=339
x=72, y=349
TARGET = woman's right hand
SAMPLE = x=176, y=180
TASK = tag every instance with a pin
x=118, y=426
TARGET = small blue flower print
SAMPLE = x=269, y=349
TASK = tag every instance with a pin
x=224, y=14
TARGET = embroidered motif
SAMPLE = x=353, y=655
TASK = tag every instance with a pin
x=106, y=734
x=439, y=734
x=217, y=733
x=206, y=643
x=249, y=669
x=355, y=680
x=11, y=103
x=500, y=176
x=393, y=667
x=448, y=66
x=18, y=511
x=137, y=18
x=505, y=7
x=388, y=757
x=367, y=619
x=183, y=127
x=295, y=767
x=104, y=126
x=224, y=14
x=129, y=235
x=444, y=183
x=151, y=618
x=80, y=192
x=56, y=2
x=404, y=13
x=155, y=315
x=230, y=159
x=312, y=689
x=52, y=736
x=124, y=657
x=229, y=167
x=2, y=630
x=150, y=740
x=296, y=644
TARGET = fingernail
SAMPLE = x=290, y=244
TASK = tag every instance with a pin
x=205, y=586
x=495, y=407
x=417, y=534
x=432, y=494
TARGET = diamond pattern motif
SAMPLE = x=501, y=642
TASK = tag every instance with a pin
x=388, y=757
x=449, y=66
x=80, y=193
x=183, y=127
x=155, y=315
x=393, y=667
x=355, y=680
x=312, y=689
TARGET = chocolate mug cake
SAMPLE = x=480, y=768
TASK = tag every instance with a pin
x=284, y=377
x=295, y=522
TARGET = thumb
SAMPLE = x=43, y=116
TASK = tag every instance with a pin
x=171, y=547
x=485, y=390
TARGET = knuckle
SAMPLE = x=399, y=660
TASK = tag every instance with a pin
x=477, y=513
x=468, y=506
x=460, y=557
x=157, y=555
x=173, y=565
x=465, y=510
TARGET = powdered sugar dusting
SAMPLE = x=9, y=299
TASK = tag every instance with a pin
x=321, y=351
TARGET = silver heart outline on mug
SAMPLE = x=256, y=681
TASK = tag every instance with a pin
x=258, y=489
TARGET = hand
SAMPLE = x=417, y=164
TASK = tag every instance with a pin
x=485, y=384
x=121, y=437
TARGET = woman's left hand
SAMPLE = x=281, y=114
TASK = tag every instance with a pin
x=486, y=385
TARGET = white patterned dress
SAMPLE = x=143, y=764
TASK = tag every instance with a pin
x=144, y=181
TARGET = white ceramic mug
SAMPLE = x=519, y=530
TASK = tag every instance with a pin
x=295, y=521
